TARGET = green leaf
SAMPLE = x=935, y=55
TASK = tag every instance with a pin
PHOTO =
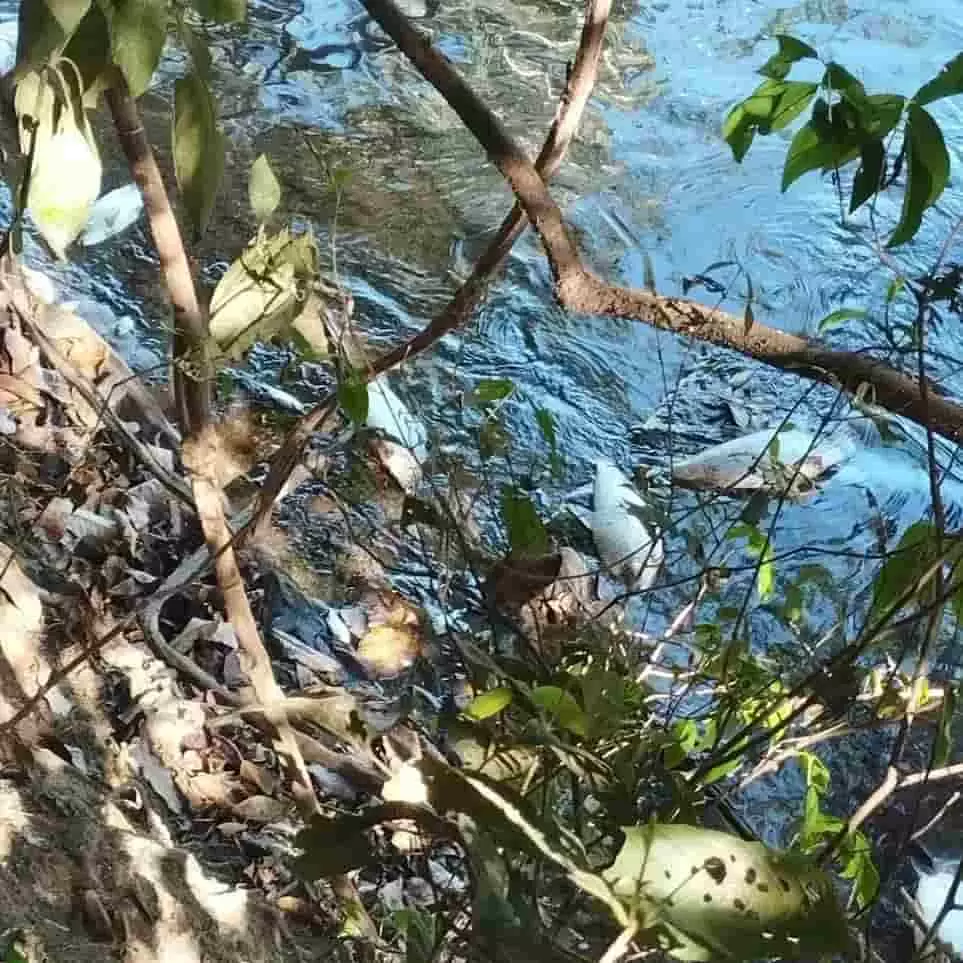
x=353, y=396
x=738, y=131
x=418, y=929
x=262, y=293
x=221, y=11
x=44, y=28
x=947, y=83
x=772, y=106
x=492, y=438
x=839, y=79
x=807, y=152
x=546, y=425
x=526, y=533
x=263, y=189
x=138, y=30
x=790, y=51
x=489, y=391
x=716, y=897
x=928, y=170
x=943, y=746
x=563, y=706
x=89, y=50
x=835, y=319
x=489, y=703
x=859, y=867
x=198, y=149
x=913, y=556
x=869, y=175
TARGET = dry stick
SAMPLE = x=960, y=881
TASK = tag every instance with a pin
x=192, y=380
x=580, y=291
x=578, y=89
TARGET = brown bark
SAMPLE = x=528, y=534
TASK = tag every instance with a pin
x=568, y=116
x=579, y=290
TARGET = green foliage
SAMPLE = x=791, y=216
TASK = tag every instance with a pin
x=836, y=318
x=353, y=395
x=420, y=932
x=264, y=190
x=198, y=149
x=526, y=532
x=138, y=29
x=563, y=707
x=44, y=28
x=221, y=11
x=490, y=391
x=848, y=124
x=489, y=703
x=904, y=568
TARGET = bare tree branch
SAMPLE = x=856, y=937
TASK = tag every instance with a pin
x=578, y=89
x=579, y=290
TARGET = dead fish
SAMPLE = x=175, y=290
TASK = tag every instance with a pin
x=769, y=460
x=625, y=545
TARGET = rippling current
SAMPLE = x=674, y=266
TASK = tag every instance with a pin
x=649, y=181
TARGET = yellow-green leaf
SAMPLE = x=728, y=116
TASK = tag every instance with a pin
x=489, y=703
x=138, y=30
x=264, y=191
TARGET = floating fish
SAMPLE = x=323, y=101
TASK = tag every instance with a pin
x=404, y=447
x=112, y=213
x=794, y=461
x=625, y=545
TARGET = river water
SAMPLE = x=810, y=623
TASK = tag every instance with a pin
x=649, y=181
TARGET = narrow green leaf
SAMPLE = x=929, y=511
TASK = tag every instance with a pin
x=738, y=131
x=546, y=425
x=766, y=577
x=221, y=11
x=943, y=747
x=198, y=149
x=489, y=703
x=353, y=396
x=791, y=50
x=869, y=175
x=138, y=30
x=526, y=533
x=894, y=289
x=947, y=83
x=837, y=318
x=264, y=191
x=928, y=170
x=563, y=706
x=44, y=28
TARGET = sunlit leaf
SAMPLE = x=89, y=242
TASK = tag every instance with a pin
x=771, y=107
x=59, y=205
x=198, y=148
x=44, y=28
x=838, y=317
x=490, y=391
x=221, y=11
x=526, y=532
x=261, y=293
x=791, y=50
x=563, y=706
x=928, y=170
x=947, y=83
x=720, y=898
x=489, y=703
x=138, y=30
x=894, y=288
x=858, y=866
x=264, y=190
